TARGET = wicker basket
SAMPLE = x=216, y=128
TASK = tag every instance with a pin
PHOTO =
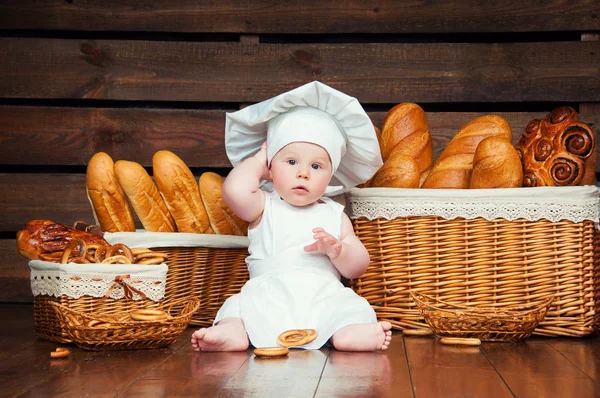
x=49, y=327
x=117, y=331
x=45, y=321
x=481, y=261
x=510, y=323
x=210, y=268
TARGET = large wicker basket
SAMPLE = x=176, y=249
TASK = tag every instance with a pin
x=45, y=320
x=210, y=268
x=509, y=247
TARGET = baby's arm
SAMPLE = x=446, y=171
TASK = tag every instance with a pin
x=348, y=254
x=241, y=187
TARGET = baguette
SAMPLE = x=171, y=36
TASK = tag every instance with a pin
x=405, y=130
x=144, y=197
x=222, y=219
x=398, y=171
x=496, y=164
x=110, y=207
x=454, y=167
x=178, y=188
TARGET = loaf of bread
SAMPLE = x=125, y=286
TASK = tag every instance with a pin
x=398, y=171
x=144, y=197
x=496, y=164
x=222, y=219
x=558, y=150
x=454, y=166
x=405, y=130
x=109, y=203
x=179, y=189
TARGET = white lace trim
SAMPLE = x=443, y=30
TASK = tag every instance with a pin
x=551, y=203
x=77, y=280
x=57, y=283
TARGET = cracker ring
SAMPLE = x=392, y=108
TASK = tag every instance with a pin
x=118, y=259
x=271, y=352
x=79, y=260
x=151, y=254
x=120, y=249
x=148, y=315
x=296, y=337
x=140, y=250
x=60, y=353
x=73, y=243
x=100, y=253
x=151, y=261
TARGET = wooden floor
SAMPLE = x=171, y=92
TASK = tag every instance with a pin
x=412, y=367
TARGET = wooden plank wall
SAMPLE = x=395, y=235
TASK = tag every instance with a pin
x=131, y=77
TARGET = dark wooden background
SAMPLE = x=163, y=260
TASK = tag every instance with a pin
x=131, y=77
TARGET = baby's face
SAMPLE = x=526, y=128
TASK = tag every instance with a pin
x=300, y=172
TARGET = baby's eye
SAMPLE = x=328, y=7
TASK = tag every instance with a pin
x=291, y=162
x=315, y=166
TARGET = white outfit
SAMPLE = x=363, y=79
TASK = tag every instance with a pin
x=288, y=287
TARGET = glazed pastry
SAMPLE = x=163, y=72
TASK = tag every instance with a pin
x=558, y=150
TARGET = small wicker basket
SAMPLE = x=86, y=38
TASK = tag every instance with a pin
x=210, y=268
x=117, y=331
x=509, y=323
x=84, y=288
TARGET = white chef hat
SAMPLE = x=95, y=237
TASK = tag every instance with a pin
x=314, y=113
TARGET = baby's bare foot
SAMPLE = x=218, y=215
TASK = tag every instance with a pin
x=227, y=335
x=363, y=337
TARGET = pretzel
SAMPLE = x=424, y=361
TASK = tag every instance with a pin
x=271, y=352
x=148, y=315
x=73, y=243
x=60, y=352
x=461, y=341
x=296, y=337
x=120, y=249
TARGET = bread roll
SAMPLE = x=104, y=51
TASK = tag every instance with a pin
x=399, y=171
x=109, y=203
x=178, y=188
x=405, y=130
x=144, y=197
x=222, y=219
x=454, y=166
x=558, y=150
x=496, y=164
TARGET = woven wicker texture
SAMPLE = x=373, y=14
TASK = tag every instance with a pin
x=48, y=326
x=510, y=323
x=481, y=262
x=208, y=274
x=117, y=331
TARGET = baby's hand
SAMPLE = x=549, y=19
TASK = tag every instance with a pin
x=261, y=156
x=326, y=243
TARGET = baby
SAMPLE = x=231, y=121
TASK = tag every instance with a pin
x=301, y=242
